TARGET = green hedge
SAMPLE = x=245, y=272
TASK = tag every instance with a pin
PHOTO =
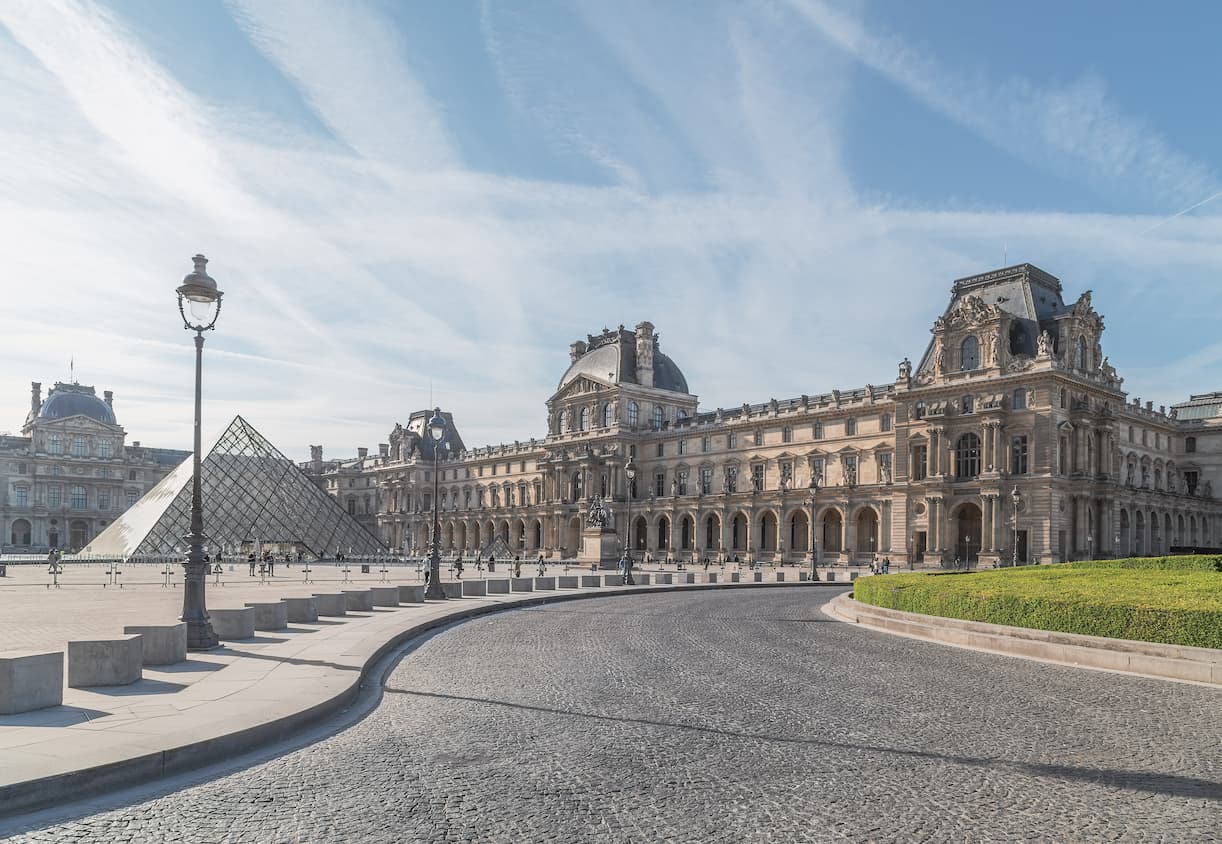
x=1176, y=605
x=1190, y=562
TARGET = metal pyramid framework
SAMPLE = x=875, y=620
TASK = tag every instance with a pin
x=251, y=493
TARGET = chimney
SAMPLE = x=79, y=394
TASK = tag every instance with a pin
x=109, y=397
x=362, y=453
x=645, y=344
x=316, y=453
x=576, y=350
x=384, y=449
x=35, y=396
x=1150, y=404
x=136, y=444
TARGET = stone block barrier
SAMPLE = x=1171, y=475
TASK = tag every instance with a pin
x=233, y=623
x=498, y=586
x=474, y=588
x=385, y=596
x=411, y=594
x=710, y=577
x=547, y=583
x=566, y=581
x=270, y=615
x=522, y=584
x=663, y=578
x=332, y=603
x=829, y=576
x=164, y=644
x=613, y=580
x=301, y=609
x=757, y=577
x=30, y=681
x=452, y=588
x=780, y=577
x=685, y=577
x=358, y=600
x=735, y=577
x=591, y=580
x=803, y=577
x=106, y=662
x=641, y=578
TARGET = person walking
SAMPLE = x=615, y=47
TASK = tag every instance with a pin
x=250, y=558
x=517, y=566
x=542, y=568
x=458, y=567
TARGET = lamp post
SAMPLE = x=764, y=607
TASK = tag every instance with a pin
x=1090, y=546
x=437, y=432
x=813, y=488
x=1017, y=501
x=1116, y=546
x=630, y=474
x=203, y=301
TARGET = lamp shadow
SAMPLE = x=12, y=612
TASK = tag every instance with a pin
x=54, y=716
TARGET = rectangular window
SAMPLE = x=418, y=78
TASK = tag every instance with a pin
x=103, y=499
x=706, y=444
x=1144, y=438
x=53, y=495
x=818, y=430
x=521, y=466
x=1190, y=444
x=706, y=481
x=1018, y=455
x=683, y=483
x=80, y=499
x=759, y=437
x=659, y=484
x=920, y=462
x=757, y=477
x=661, y=449
x=632, y=452
x=885, y=422
x=21, y=496
x=683, y=446
x=787, y=472
x=426, y=474
x=1018, y=400
x=20, y=468
x=105, y=448
x=817, y=467
x=55, y=445
x=1130, y=433
x=1190, y=482
x=79, y=447
x=731, y=440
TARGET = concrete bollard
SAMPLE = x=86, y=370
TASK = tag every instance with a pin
x=474, y=588
x=522, y=584
x=590, y=580
x=385, y=596
x=452, y=588
x=233, y=624
x=758, y=577
x=301, y=609
x=663, y=578
x=735, y=577
x=270, y=615
x=803, y=576
x=566, y=581
x=780, y=577
x=331, y=603
x=30, y=681
x=710, y=577
x=411, y=594
x=164, y=644
x=853, y=576
x=613, y=580
x=498, y=586
x=545, y=583
x=358, y=600
x=105, y=662
x=641, y=579
x=685, y=577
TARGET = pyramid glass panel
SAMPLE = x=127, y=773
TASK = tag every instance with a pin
x=251, y=494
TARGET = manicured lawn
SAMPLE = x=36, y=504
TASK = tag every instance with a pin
x=1176, y=600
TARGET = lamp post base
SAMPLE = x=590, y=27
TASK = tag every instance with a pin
x=201, y=636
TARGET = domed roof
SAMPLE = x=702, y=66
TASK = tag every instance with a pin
x=74, y=400
x=615, y=362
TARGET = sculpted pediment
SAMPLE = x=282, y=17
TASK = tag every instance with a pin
x=80, y=424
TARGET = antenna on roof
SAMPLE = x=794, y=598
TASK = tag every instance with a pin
x=72, y=369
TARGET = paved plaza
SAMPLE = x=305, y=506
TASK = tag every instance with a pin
x=744, y=715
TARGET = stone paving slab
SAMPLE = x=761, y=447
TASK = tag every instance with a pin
x=221, y=702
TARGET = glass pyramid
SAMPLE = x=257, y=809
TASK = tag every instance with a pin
x=251, y=493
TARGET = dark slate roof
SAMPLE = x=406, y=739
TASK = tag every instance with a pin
x=74, y=400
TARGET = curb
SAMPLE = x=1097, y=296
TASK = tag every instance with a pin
x=30, y=795
x=1178, y=663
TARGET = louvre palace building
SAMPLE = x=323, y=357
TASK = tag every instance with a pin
x=1008, y=436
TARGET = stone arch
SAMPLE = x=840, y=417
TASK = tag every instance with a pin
x=830, y=524
x=640, y=533
x=1155, y=533
x=21, y=532
x=502, y=531
x=1139, y=534
x=1192, y=530
x=662, y=533
x=572, y=542
x=518, y=526
x=1168, y=536
x=740, y=531
x=866, y=523
x=537, y=534
x=712, y=532
x=1179, y=529
x=78, y=533
x=967, y=520
x=797, y=531
x=769, y=531
x=687, y=532
x=1126, y=544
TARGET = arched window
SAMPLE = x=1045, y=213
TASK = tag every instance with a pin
x=1190, y=444
x=1018, y=400
x=969, y=353
x=78, y=498
x=967, y=456
x=850, y=427
x=1083, y=355
x=659, y=417
x=969, y=404
x=583, y=423
x=634, y=413
x=681, y=415
x=608, y=415
x=21, y=532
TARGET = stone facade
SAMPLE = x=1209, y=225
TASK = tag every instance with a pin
x=70, y=473
x=1012, y=396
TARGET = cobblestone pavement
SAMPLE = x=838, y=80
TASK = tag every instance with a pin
x=738, y=716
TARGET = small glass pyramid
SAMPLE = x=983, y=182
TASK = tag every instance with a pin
x=251, y=493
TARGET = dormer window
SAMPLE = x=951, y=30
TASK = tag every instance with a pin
x=969, y=404
x=969, y=354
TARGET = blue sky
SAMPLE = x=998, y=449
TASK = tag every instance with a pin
x=435, y=198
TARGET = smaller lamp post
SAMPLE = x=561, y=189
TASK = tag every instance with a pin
x=1116, y=546
x=1017, y=500
x=1090, y=547
x=630, y=474
x=437, y=432
x=813, y=489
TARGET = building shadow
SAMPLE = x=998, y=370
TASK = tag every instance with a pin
x=54, y=716
x=140, y=687
x=1172, y=785
x=187, y=666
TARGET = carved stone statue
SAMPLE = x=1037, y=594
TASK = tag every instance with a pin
x=884, y=474
x=850, y=474
x=939, y=357
x=1043, y=345
x=905, y=369
x=996, y=349
x=597, y=516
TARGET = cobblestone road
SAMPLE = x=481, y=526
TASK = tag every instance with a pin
x=737, y=716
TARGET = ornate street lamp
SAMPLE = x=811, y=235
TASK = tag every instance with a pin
x=437, y=432
x=814, y=546
x=1017, y=500
x=203, y=302
x=630, y=474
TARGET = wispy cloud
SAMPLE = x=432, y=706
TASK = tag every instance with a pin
x=1073, y=129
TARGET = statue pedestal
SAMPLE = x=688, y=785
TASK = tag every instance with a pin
x=599, y=545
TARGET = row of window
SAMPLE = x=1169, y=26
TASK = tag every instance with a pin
x=78, y=446
x=78, y=497
x=757, y=437
x=101, y=472
x=968, y=457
